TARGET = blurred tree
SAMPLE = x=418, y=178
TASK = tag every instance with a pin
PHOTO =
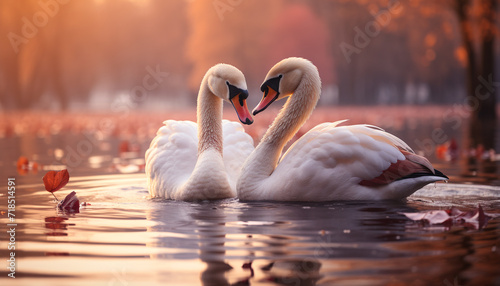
x=55, y=54
x=21, y=54
x=480, y=15
x=390, y=53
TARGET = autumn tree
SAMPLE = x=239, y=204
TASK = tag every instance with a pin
x=478, y=30
x=378, y=45
x=22, y=60
x=57, y=52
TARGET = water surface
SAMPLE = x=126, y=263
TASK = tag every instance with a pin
x=125, y=238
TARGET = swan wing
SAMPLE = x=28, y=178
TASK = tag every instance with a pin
x=171, y=157
x=330, y=159
x=237, y=147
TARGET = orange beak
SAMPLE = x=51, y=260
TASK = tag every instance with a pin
x=270, y=95
x=240, y=105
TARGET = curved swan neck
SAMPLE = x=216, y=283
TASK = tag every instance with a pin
x=261, y=163
x=295, y=112
x=209, y=118
x=263, y=160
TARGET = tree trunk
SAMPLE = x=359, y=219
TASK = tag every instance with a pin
x=486, y=111
x=481, y=96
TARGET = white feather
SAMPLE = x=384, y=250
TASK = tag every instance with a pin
x=172, y=157
x=237, y=146
x=327, y=163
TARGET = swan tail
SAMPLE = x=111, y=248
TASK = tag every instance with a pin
x=412, y=166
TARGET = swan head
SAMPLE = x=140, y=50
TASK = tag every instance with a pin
x=227, y=82
x=284, y=78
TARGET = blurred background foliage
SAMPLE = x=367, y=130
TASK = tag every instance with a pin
x=86, y=55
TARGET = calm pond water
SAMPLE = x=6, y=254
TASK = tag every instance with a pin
x=125, y=238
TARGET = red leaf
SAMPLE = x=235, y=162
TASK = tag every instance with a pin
x=22, y=165
x=54, y=181
x=22, y=162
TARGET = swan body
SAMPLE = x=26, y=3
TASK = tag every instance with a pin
x=199, y=161
x=330, y=162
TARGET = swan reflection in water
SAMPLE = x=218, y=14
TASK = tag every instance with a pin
x=196, y=231
x=229, y=242
x=233, y=242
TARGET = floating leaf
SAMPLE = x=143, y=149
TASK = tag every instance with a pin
x=22, y=162
x=70, y=203
x=433, y=217
x=23, y=165
x=54, y=181
x=476, y=219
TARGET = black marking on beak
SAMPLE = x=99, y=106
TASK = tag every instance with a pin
x=242, y=110
x=270, y=84
x=273, y=83
x=248, y=121
x=235, y=91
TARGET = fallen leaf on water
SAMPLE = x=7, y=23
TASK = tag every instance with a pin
x=54, y=181
x=22, y=165
x=70, y=203
x=475, y=219
x=433, y=217
x=22, y=162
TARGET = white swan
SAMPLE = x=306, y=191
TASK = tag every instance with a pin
x=180, y=167
x=330, y=162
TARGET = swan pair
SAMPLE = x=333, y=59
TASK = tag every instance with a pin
x=330, y=162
